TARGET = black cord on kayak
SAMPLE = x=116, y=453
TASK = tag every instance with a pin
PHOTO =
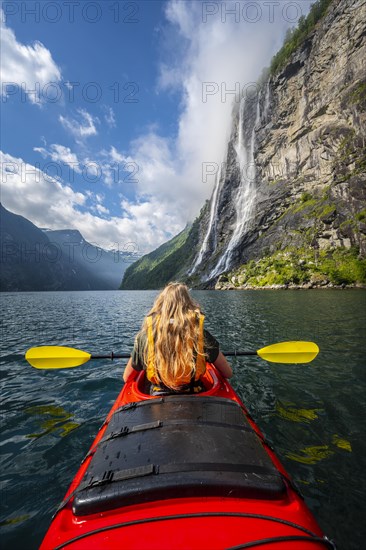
x=261, y=542
x=311, y=538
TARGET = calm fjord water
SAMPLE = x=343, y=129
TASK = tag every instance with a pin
x=314, y=415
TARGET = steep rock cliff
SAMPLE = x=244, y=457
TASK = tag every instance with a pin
x=293, y=179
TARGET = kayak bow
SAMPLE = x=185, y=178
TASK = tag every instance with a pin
x=189, y=472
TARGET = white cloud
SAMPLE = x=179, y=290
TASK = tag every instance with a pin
x=29, y=67
x=81, y=127
x=110, y=117
x=96, y=200
x=60, y=154
x=29, y=191
x=114, y=165
x=115, y=156
x=157, y=171
x=101, y=209
x=50, y=203
x=230, y=55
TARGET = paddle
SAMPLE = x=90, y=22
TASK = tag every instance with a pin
x=58, y=357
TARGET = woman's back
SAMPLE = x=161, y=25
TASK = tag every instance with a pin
x=172, y=345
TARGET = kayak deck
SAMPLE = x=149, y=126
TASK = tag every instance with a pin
x=175, y=447
x=182, y=472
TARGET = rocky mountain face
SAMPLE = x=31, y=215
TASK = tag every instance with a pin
x=22, y=264
x=36, y=260
x=292, y=186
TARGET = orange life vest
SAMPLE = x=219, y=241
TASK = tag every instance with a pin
x=200, y=360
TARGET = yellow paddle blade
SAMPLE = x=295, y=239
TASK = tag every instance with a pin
x=289, y=352
x=56, y=357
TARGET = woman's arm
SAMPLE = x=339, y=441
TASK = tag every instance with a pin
x=130, y=373
x=223, y=366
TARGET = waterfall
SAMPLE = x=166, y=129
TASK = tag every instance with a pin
x=212, y=223
x=266, y=104
x=245, y=196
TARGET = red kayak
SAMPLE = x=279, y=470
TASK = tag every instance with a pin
x=182, y=472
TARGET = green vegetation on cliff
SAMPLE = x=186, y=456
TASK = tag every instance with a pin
x=168, y=262
x=321, y=216
x=300, y=266
x=295, y=37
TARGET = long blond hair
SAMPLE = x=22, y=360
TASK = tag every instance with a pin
x=175, y=317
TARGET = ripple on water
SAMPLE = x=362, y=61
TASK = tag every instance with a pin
x=314, y=415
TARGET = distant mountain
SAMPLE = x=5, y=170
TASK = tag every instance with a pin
x=35, y=260
x=103, y=266
x=164, y=264
x=23, y=263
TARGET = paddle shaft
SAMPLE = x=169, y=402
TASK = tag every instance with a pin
x=63, y=357
x=128, y=355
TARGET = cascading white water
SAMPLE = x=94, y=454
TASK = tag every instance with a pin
x=245, y=197
x=266, y=104
x=212, y=222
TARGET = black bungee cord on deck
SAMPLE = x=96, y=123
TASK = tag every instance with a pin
x=273, y=540
x=312, y=537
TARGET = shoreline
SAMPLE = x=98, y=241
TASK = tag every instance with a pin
x=306, y=286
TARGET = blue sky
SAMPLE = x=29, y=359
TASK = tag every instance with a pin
x=113, y=139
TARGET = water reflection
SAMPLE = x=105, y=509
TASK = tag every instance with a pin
x=51, y=418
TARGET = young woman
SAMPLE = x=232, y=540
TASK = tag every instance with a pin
x=173, y=345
